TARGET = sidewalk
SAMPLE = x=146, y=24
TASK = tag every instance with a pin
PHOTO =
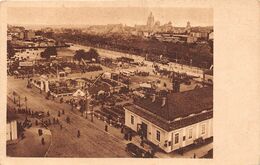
x=31, y=145
x=116, y=132
x=201, y=151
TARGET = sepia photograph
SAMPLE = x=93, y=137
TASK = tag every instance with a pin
x=110, y=82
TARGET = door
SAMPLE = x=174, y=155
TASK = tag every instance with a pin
x=144, y=130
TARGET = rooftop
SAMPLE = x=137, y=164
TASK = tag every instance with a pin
x=189, y=106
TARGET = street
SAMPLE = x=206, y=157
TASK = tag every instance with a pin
x=93, y=142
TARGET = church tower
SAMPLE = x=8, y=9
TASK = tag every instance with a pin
x=150, y=20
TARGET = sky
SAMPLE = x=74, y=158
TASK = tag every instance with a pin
x=107, y=15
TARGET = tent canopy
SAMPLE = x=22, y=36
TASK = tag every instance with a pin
x=145, y=85
x=79, y=93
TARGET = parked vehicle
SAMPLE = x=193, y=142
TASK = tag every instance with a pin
x=137, y=152
x=39, y=114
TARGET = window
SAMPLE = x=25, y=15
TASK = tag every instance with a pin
x=190, y=133
x=176, y=138
x=132, y=119
x=158, y=135
x=203, y=129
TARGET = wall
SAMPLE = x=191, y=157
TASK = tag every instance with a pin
x=196, y=133
x=11, y=130
x=166, y=137
x=151, y=128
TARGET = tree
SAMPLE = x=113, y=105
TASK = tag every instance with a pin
x=48, y=52
x=79, y=54
x=92, y=54
x=10, y=50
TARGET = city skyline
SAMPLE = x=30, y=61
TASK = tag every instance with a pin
x=103, y=16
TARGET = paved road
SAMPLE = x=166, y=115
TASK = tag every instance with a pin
x=94, y=141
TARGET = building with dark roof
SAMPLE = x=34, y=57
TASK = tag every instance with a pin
x=174, y=120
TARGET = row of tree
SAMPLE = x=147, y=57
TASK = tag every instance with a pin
x=201, y=54
x=91, y=55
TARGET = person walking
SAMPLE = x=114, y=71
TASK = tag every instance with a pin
x=130, y=136
x=106, y=128
x=43, y=142
x=68, y=119
x=78, y=135
x=194, y=156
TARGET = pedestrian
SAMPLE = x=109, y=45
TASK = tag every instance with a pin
x=63, y=112
x=43, y=142
x=60, y=126
x=36, y=122
x=48, y=113
x=58, y=113
x=68, y=119
x=142, y=143
x=130, y=136
x=54, y=121
x=106, y=128
x=78, y=135
x=126, y=136
x=194, y=156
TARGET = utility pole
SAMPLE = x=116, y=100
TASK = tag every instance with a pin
x=19, y=101
x=86, y=105
x=14, y=97
x=92, y=113
x=25, y=99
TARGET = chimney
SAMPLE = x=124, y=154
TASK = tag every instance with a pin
x=153, y=98
x=163, y=101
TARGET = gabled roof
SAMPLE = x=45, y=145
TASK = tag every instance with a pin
x=79, y=93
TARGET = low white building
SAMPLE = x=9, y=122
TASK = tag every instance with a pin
x=173, y=121
x=11, y=128
x=208, y=77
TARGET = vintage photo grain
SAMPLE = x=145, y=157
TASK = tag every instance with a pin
x=110, y=82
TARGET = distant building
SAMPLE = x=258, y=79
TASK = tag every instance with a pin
x=29, y=34
x=150, y=21
x=191, y=39
x=174, y=120
x=21, y=35
x=188, y=27
x=167, y=27
x=9, y=37
x=211, y=36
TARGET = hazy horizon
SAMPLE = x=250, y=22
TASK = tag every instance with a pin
x=87, y=16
